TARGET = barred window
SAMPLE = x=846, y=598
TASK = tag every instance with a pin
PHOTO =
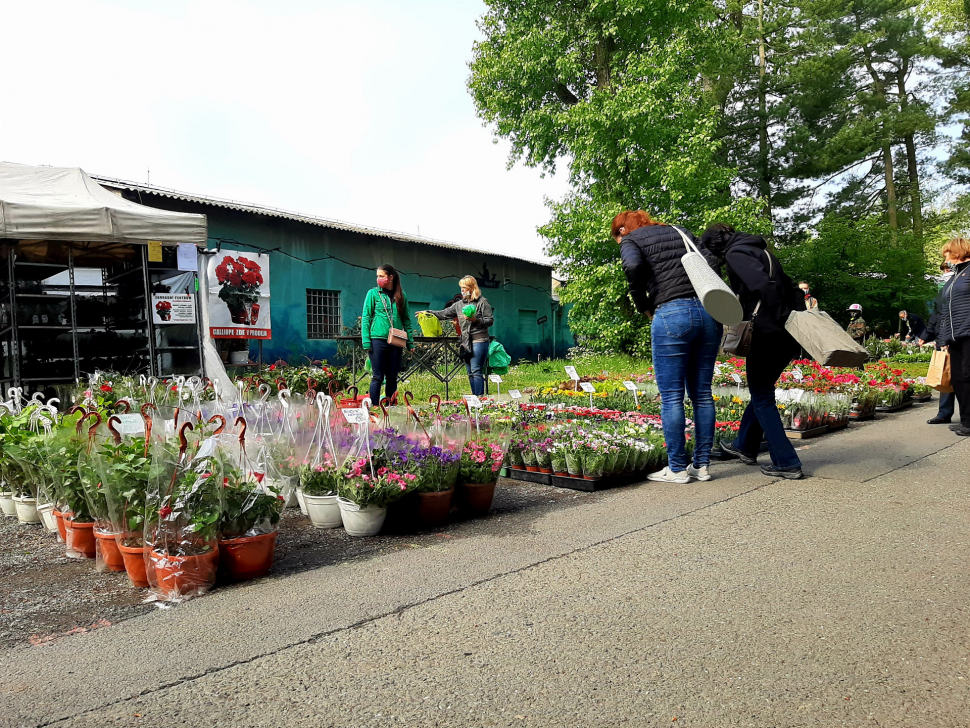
x=322, y=314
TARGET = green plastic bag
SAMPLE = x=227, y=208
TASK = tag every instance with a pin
x=468, y=310
x=430, y=325
x=498, y=358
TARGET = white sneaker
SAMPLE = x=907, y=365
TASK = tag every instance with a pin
x=668, y=476
x=698, y=473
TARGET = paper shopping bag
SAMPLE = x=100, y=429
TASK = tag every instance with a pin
x=938, y=375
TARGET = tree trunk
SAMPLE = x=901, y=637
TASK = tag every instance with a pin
x=887, y=158
x=912, y=167
x=764, y=171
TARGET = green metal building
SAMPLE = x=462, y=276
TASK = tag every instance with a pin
x=320, y=271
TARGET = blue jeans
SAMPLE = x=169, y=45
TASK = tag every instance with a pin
x=685, y=341
x=476, y=367
x=948, y=405
x=385, y=362
x=769, y=356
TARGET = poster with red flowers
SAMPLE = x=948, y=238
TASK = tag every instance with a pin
x=173, y=308
x=239, y=295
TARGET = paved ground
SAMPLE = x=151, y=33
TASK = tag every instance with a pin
x=837, y=600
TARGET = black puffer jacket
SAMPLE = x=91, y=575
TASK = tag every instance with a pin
x=747, y=258
x=651, y=261
x=955, y=307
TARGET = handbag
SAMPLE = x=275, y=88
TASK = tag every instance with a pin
x=938, y=375
x=716, y=296
x=737, y=339
x=395, y=337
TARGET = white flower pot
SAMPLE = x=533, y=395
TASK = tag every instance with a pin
x=7, y=504
x=299, y=499
x=46, y=512
x=239, y=357
x=26, y=509
x=323, y=511
x=366, y=521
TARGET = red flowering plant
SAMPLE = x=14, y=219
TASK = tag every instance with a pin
x=163, y=306
x=240, y=279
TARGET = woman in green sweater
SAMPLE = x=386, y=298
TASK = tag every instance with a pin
x=385, y=307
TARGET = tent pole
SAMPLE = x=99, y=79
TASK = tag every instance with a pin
x=149, y=321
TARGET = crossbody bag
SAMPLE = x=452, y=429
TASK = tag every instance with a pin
x=737, y=339
x=395, y=337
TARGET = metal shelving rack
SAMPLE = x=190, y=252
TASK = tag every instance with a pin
x=19, y=330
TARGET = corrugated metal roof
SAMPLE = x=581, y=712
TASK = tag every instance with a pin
x=111, y=182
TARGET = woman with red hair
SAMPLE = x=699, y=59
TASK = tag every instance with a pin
x=683, y=336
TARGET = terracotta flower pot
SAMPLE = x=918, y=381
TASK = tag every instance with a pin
x=80, y=538
x=475, y=498
x=182, y=575
x=532, y=468
x=563, y=474
x=433, y=508
x=249, y=557
x=134, y=558
x=109, y=551
x=545, y=470
x=61, y=528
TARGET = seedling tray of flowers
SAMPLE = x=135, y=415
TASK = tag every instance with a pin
x=530, y=476
x=806, y=434
x=589, y=486
x=922, y=397
x=896, y=407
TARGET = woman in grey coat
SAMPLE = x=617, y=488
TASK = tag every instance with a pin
x=474, y=330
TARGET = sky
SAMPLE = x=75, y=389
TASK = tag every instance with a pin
x=355, y=110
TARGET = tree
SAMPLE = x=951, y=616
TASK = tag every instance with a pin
x=621, y=92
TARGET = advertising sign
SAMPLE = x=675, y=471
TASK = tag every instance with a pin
x=239, y=295
x=173, y=308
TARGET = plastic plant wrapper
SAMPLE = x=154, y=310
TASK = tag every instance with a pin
x=65, y=456
x=252, y=502
x=183, y=509
x=334, y=443
x=482, y=456
x=123, y=463
x=92, y=489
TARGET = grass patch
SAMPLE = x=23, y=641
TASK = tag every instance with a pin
x=529, y=374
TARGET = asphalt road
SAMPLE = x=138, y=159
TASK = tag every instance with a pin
x=840, y=600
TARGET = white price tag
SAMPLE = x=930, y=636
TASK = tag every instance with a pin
x=736, y=377
x=495, y=378
x=571, y=373
x=169, y=427
x=515, y=394
x=631, y=386
x=130, y=424
x=355, y=416
x=797, y=374
x=717, y=370
x=587, y=386
x=473, y=401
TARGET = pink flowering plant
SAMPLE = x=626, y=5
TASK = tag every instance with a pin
x=367, y=485
x=481, y=457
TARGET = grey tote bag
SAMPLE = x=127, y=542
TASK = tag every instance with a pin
x=715, y=295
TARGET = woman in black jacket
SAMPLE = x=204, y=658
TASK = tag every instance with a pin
x=768, y=297
x=953, y=329
x=683, y=337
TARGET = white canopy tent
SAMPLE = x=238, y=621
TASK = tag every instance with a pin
x=63, y=203
x=40, y=204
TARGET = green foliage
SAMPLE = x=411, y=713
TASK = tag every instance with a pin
x=614, y=87
x=862, y=262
